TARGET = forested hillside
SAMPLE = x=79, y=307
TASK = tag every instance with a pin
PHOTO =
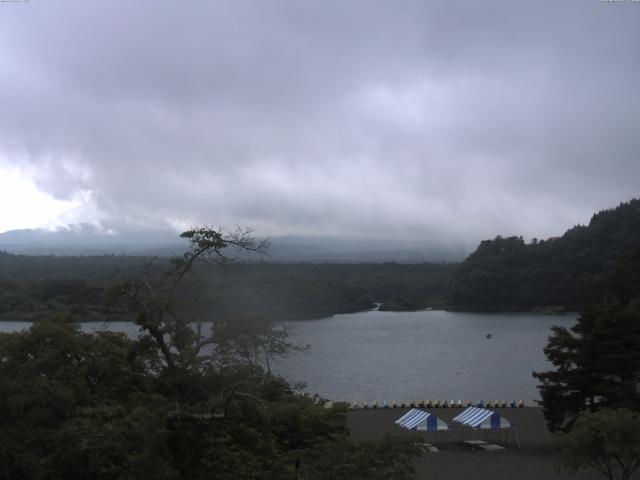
x=567, y=272
x=32, y=286
x=570, y=271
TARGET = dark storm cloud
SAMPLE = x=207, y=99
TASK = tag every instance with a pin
x=461, y=119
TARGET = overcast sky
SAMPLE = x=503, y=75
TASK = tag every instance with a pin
x=409, y=119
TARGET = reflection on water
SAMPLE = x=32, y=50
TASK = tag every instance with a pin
x=411, y=355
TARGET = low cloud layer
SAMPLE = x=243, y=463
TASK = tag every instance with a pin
x=389, y=119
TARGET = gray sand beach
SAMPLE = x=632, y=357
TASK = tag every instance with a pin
x=536, y=460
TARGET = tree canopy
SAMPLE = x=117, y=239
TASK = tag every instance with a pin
x=175, y=403
x=597, y=361
x=571, y=271
x=607, y=441
x=34, y=287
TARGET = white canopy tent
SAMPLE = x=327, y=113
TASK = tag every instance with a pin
x=486, y=420
x=421, y=421
x=483, y=419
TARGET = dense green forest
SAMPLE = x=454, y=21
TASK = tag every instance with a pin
x=106, y=407
x=32, y=286
x=570, y=271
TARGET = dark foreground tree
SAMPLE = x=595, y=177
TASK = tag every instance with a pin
x=597, y=361
x=101, y=406
x=74, y=405
x=367, y=460
x=597, y=364
x=175, y=403
x=154, y=299
x=204, y=368
x=607, y=441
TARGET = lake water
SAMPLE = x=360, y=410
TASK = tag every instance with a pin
x=412, y=355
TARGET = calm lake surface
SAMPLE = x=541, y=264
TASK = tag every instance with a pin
x=423, y=355
x=411, y=355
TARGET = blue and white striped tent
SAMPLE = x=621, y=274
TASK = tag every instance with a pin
x=482, y=419
x=422, y=421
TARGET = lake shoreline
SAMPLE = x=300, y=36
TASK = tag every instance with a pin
x=431, y=354
x=544, y=310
